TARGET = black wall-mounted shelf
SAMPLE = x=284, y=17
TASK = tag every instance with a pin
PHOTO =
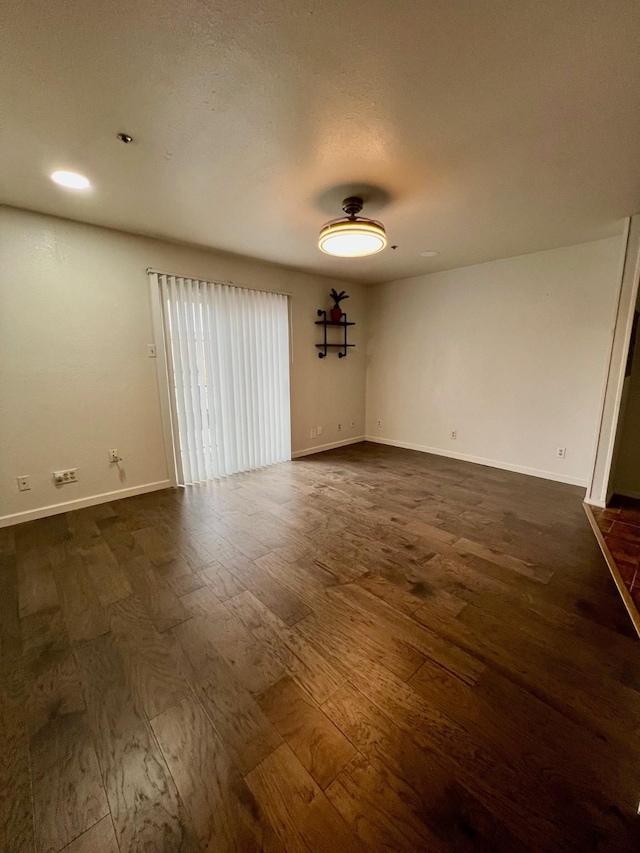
x=325, y=346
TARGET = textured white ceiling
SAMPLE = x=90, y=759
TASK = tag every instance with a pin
x=489, y=128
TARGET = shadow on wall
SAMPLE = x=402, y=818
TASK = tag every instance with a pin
x=626, y=478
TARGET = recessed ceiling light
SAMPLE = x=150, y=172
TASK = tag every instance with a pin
x=71, y=180
x=430, y=253
x=352, y=236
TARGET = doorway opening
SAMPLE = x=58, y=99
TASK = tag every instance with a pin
x=226, y=358
x=612, y=502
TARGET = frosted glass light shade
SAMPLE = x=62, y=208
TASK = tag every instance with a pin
x=352, y=238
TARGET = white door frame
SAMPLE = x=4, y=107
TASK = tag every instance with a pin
x=167, y=408
x=169, y=429
x=600, y=482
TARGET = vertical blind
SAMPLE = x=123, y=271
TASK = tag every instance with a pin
x=227, y=354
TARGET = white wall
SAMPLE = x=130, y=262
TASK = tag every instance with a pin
x=512, y=354
x=75, y=379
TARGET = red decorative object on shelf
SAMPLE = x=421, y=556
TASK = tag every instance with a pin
x=336, y=312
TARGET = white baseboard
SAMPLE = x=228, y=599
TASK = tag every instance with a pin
x=80, y=503
x=595, y=502
x=308, y=451
x=479, y=460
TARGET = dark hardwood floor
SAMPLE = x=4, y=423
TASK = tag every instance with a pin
x=367, y=650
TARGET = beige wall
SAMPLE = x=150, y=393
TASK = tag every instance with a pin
x=626, y=477
x=511, y=354
x=75, y=378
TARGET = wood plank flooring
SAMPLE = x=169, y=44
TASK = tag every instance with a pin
x=368, y=649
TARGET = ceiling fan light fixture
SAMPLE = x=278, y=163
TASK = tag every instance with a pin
x=352, y=236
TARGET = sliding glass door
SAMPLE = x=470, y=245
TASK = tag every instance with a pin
x=227, y=354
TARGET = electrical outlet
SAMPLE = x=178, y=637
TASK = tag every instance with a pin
x=23, y=484
x=379, y=423
x=70, y=475
x=454, y=434
x=114, y=458
x=353, y=424
x=561, y=452
x=339, y=427
x=319, y=430
x=313, y=432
